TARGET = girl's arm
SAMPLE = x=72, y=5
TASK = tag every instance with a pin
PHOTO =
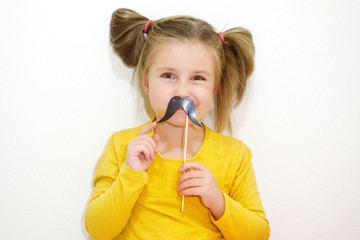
x=239, y=214
x=116, y=185
x=244, y=216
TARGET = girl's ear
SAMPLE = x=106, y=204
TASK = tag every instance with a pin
x=145, y=83
x=215, y=91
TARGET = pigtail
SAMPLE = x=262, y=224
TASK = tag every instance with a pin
x=126, y=35
x=238, y=65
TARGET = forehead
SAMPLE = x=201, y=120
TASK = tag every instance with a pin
x=190, y=55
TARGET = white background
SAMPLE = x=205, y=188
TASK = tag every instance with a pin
x=63, y=92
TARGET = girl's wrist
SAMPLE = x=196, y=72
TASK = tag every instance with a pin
x=219, y=208
x=135, y=167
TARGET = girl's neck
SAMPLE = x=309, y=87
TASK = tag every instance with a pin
x=171, y=143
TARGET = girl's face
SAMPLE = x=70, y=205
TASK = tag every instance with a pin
x=184, y=69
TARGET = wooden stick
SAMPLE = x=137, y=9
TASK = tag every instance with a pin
x=185, y=150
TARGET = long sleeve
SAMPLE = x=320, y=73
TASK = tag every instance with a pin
x=244, y=216
x=116, y=189
x=128, y=204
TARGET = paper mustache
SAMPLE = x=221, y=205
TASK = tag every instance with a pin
x=188, y=105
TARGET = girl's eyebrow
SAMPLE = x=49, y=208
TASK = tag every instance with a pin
x=170, y=69
x=166, y=69
x=203, y=73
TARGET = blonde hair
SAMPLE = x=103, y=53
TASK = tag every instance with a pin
x=235, y=55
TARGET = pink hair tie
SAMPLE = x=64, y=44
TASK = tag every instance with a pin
x=221, y=35
x=146, y=26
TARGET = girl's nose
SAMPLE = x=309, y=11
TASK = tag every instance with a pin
x=182, y=90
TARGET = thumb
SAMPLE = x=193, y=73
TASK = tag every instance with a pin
x=191, y=165
x=156, y=138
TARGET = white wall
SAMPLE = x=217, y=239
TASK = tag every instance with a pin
x=63, y=92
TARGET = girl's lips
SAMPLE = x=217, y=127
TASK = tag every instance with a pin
x=181, y=109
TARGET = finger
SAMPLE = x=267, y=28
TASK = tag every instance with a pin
x=145, y=151
x=191, y=165
x=190, y=184
x=194, y=191
x=156, y=139
x=151, y=149
x=149, y=142
x=147, y=128
x=190, y=175
x=153, y=141
x=145, y=146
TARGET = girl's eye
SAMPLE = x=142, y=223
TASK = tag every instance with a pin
x=168, y=75
x=198, y=78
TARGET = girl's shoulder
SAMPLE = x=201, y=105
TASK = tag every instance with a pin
x=221, y=141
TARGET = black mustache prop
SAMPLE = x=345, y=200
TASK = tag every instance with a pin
x=188, y=105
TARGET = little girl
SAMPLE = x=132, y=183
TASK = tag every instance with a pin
x=140, y=178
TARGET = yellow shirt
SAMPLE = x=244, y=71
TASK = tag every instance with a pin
x=129, y=204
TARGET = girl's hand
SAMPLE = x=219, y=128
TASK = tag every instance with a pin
x=201, y=182
x=141, y=150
